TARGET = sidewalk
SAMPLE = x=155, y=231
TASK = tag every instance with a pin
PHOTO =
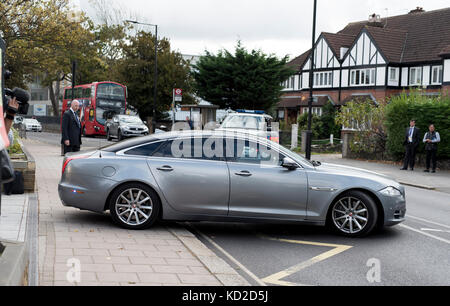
x=439, y=181
x=13, y=219
x=108, y=254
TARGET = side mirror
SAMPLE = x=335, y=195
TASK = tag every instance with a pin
x=289, y=164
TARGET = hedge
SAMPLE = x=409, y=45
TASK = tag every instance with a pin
x=425, y=110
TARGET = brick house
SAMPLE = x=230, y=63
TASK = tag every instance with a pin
x=372, y=59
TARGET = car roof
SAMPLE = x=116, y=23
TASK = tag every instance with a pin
x=177, y=134
x=250, y=115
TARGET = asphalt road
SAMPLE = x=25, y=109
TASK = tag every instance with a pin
x=416, y=252
x=55, y=139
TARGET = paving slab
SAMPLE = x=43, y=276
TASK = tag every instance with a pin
x=166, y=254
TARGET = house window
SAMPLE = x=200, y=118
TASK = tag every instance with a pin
x=415, y=76
x=392, y=74
x=323, y=79
x=281, y=114
x=292, y=82
x=436, y=75
x=362, y=77
x=315, y=111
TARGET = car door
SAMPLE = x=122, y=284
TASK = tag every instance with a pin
x=192, y=182
x=260, y=186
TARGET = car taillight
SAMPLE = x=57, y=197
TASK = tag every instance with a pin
x=69, y=159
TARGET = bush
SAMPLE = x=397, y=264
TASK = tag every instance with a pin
x=426, y=111
x=366, y=118
x=316, y=125
x=322, y=126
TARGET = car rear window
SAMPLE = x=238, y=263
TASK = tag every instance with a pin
x=146, y=150
x=116, y=147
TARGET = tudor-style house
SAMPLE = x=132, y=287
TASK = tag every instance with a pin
x=372, y=59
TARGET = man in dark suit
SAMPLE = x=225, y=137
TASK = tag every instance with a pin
x=412, y=140
x=71, y=129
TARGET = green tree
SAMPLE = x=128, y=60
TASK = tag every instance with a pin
x=367, y=119
x=328, y=121
x=247, y=80
x=136, y=70
x=42, y=38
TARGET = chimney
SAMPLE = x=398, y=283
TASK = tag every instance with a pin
x=375, y=21
x=417, y=10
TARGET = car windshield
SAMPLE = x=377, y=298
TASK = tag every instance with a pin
x=31, y=121
x=130, y=120
x=243, y=122
x=296, y=155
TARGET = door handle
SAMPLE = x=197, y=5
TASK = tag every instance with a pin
x=244, y=173
x=165, y=168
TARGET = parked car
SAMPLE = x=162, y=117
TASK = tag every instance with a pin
x=32, y=125
x=124, y=126
x=175, y=176
x=252, y=122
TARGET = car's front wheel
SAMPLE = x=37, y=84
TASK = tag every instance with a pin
x=108, y=135
x=353, y=214
x=134, y=206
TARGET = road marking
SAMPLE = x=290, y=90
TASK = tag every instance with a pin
x=428, y=221
x=425, y=234
x=276, y=279
x=434, y=230
x=230, y=257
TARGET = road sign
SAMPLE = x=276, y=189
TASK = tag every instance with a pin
x=178, y=95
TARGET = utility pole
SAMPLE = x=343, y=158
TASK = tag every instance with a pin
x=311, y=87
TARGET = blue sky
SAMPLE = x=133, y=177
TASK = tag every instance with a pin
x=281, y=27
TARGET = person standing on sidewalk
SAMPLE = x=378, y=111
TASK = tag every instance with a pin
x=411, y=143
x=71, y=129
x=431, y=140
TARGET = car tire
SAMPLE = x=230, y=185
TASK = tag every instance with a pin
x=353, y=214
x=119, y=135
x=108, y=135
x=126, y=210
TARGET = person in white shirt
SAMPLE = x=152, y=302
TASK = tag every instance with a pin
x=431, y=140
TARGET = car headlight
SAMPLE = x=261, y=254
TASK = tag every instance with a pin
x=391, y=191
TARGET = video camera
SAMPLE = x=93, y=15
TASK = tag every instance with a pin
x=21, y=95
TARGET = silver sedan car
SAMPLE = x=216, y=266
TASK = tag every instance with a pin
x=225, y=176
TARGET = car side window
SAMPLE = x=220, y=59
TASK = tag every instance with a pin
x=145, y=150
x=192, y=148
x=250, y=152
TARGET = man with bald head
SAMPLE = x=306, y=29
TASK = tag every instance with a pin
x=71, y=129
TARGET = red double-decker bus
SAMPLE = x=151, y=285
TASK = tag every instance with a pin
x=99, y=102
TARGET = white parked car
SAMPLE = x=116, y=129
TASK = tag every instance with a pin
x=32, y=125
x=252, y=122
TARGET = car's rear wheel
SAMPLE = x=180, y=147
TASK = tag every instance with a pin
x=353, y=214
x=134, y=206
x=119, y=135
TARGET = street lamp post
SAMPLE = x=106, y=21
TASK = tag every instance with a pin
x=155, y=85
x=311, y=85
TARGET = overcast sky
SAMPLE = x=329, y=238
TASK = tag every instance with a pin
x=281, y=27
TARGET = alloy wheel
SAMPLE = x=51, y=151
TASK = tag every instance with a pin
x=350, y=215
x=134, y=206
